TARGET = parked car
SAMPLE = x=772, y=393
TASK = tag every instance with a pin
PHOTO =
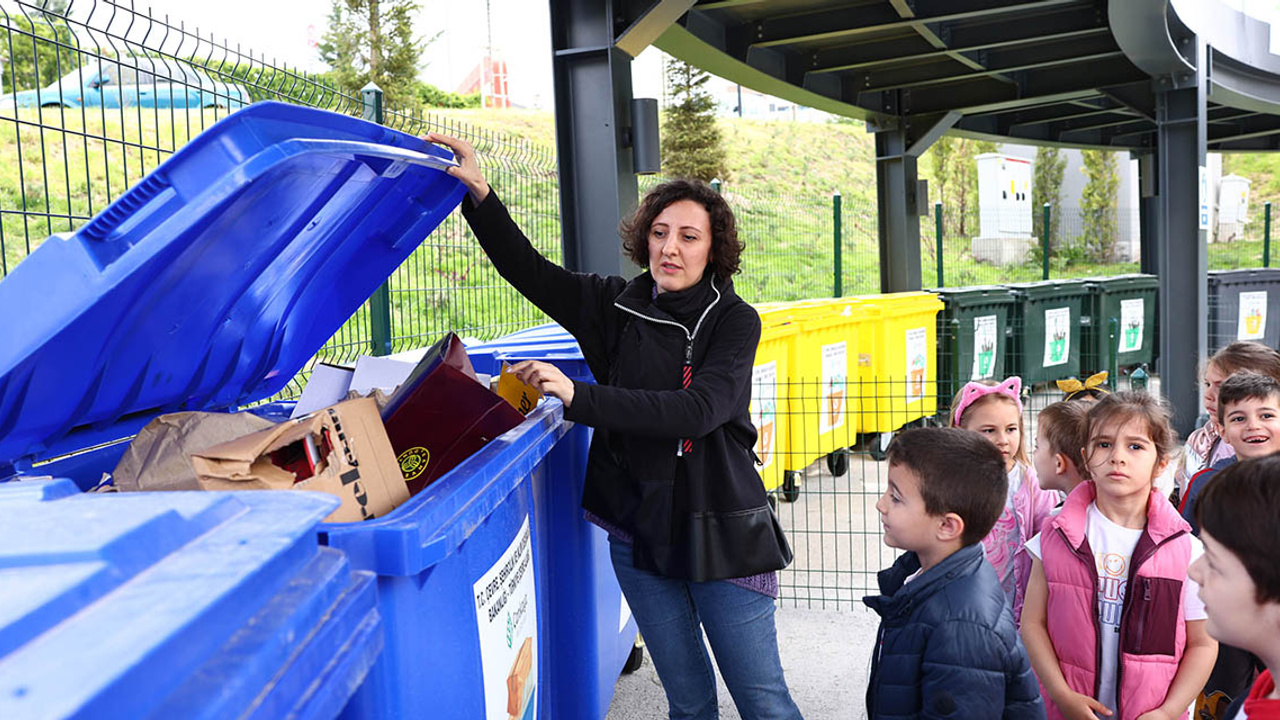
x=133, y=81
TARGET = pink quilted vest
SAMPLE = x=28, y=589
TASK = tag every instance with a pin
x=1153, y=633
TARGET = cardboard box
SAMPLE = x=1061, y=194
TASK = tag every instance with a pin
x=441, y=415
x=341, y=450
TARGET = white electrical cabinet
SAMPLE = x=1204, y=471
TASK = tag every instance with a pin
x=1004, y=196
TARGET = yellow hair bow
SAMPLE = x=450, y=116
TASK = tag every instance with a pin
x=1096, y=383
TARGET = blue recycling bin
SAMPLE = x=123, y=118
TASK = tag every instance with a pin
x=206, y=286
x=591, y=623
x=162, y=605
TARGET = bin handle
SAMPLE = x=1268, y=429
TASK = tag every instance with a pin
x=368, y=150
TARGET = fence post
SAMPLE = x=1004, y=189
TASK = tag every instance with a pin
x=838, y=239
x=1266, y=234
x=937, y=224
x=380, y=301
x=1044, y=240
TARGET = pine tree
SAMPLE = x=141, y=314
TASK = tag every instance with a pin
x=1046, y=188
x=691, y=142
x=373, y=40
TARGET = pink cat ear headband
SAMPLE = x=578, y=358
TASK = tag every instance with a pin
x=969, y=394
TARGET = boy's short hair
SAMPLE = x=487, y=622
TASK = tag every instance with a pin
x=1245, y=385
x=1065, y=424
x=1241, y=510
x=960, y=472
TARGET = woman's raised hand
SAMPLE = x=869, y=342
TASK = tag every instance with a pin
x=468, y=170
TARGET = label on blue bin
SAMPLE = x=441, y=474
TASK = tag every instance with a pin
x=507, y=619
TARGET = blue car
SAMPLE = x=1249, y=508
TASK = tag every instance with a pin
x=133, y=82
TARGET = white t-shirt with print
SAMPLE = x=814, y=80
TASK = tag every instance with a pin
x=1113, y=547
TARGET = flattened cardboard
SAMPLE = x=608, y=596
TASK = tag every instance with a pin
x=360, y=468
x=159, y=457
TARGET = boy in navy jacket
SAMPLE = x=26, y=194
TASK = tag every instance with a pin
x=947, y=645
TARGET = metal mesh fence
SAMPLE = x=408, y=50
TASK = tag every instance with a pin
x=825, y=449
x=101, y=94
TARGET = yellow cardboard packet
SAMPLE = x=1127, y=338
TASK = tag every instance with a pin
x=522, y=396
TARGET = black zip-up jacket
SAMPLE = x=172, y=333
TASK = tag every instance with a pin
x=697, y=515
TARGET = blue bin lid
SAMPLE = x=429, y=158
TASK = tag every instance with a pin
x=176, y=605
x=211, y=282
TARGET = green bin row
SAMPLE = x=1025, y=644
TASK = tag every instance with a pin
x=1045, y=331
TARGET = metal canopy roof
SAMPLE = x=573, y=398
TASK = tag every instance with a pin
x=1060, y=72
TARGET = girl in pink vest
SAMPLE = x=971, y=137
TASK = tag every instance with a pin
x=995, y=411
x=1112, y=624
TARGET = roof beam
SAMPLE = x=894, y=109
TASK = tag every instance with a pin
x=1137, y=96
x=1068, y=82
x=996, y=62
x=862, y=20
x=963, y=38
x=649, y=23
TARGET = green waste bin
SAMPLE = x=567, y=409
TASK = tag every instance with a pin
x=1125, y=304
x=973, y=335
x=1238, y=307
x=1050, y=318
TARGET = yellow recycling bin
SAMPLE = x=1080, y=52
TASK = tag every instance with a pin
x=769, y=401
x=822, y=403
x=897, y=363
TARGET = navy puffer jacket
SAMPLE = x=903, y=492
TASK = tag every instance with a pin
x=947, y=646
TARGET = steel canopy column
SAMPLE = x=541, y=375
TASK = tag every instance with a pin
x=593, y=97
x=899, y=225
x=1148, y=213
x=1180, y=255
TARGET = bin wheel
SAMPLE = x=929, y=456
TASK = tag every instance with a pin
x=634, y=660
x=838, y=463
x=790, y=486
x=879, y=446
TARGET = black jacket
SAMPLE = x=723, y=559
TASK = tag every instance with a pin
x=700, y=515
x=947, y=645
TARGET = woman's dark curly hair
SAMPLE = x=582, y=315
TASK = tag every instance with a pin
x=726, y=249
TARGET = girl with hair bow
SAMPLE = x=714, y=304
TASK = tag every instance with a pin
x=994, y=410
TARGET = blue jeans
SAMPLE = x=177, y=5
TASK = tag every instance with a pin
x=672, y=614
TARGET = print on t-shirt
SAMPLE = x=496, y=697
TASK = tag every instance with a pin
x=1113, y=576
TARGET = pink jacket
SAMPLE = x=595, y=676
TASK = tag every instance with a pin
x=1007, y=541
x=1153, y=633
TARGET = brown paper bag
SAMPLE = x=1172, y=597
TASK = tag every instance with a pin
x=342, y=450
x=159, y=457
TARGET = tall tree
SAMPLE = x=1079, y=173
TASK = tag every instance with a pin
x=373, y=40
x=1046, y=189
x=39, y=43
x=691, y=142
x=1098, y=204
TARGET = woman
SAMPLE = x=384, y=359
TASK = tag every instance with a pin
x=670, y=472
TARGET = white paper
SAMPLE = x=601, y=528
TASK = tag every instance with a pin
x=764, y=410
x=835, y=376
x=327, y=385
x=507, y=616
x=1132, y=319
x=380, y=373
x=985, y=345
x=1057, y=336
x=1252, y=324
x=917, y=363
